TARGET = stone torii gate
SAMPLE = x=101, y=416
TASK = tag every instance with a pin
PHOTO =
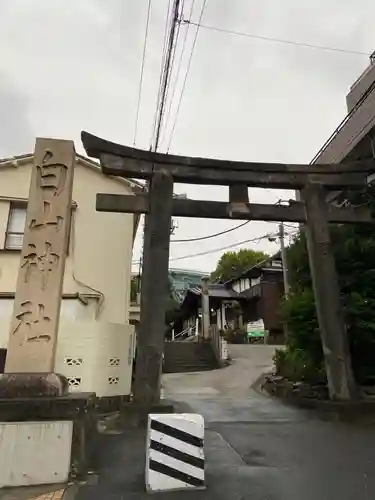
x=163, y=170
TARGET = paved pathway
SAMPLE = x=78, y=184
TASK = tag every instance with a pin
x=256, y=448
x=248, y=363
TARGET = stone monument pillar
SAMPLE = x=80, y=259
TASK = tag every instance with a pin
x=34, y=327
x=31, y=394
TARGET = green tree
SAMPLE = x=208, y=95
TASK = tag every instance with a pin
x=232, y=264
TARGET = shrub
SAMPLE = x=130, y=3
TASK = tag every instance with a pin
x=298, y=312
x=296, y=366
x=235, y=335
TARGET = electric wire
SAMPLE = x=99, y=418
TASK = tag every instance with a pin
x=278, y=40
x=212, y=235
x=166, y=72
x=171, y=65
x=215, y=250
x=172, y=13
x=186, y=75
x=142, y=72
x=179, y=64
x=162, y=63
x=227, y=247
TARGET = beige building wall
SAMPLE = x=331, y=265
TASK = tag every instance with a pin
x=99, y=262
x=359, y=122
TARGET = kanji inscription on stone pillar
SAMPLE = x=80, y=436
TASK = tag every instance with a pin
x=34, y=327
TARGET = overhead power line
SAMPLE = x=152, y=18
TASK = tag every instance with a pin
x=162, y=68
x=169, y=38
x=227, y=247
x=142, y=71
x=186, y=74
x=173, y=51
x=212, y=235
x=233, y=245
x=179, y=64
x=166, y=73
x=277, y=40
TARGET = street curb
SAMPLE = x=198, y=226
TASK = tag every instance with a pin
x=357, y=410
x=70, y=492
x=258, y=385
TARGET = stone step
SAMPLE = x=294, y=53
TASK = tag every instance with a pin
x=188, y=357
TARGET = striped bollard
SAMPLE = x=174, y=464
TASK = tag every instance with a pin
x=174, y=454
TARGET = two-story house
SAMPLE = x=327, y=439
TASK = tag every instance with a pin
x=94, y=321
x=261, y=288
x=253, y=295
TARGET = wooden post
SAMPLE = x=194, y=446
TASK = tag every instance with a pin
x=238, y=193
x=205, y=309
x=327, y=296
x=34, y=327
x=150, y=342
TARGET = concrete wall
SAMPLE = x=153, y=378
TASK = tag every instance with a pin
x=360, y=86
x=99, y=260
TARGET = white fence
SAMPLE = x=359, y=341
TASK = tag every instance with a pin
x=219, y=345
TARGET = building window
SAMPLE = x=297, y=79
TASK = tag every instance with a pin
x=16, y=226
x=6, y=307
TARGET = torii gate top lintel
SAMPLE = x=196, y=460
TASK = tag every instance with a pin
x=124, y=161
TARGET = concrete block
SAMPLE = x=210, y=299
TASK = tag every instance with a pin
x=175, y=452
x=33, y=453
x=29, y=385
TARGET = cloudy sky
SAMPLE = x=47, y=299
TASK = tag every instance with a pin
x=72, y=65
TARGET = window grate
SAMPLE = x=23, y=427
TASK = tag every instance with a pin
x=74, y=361
x=74, y=381
x=114, y=361
x=113, y=380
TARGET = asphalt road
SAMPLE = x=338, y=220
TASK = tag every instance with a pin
x=255, y=447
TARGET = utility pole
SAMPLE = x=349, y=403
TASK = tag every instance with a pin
x=150, y=341
x=284, y=260
x=205, y=309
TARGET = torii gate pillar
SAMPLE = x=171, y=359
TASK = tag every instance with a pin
x=150, y=338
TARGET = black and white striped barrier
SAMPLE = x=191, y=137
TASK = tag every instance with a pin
x=175, y=455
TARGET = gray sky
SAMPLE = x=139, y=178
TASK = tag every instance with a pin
x=72, y=65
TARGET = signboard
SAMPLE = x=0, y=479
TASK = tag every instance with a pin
x=255, y=328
